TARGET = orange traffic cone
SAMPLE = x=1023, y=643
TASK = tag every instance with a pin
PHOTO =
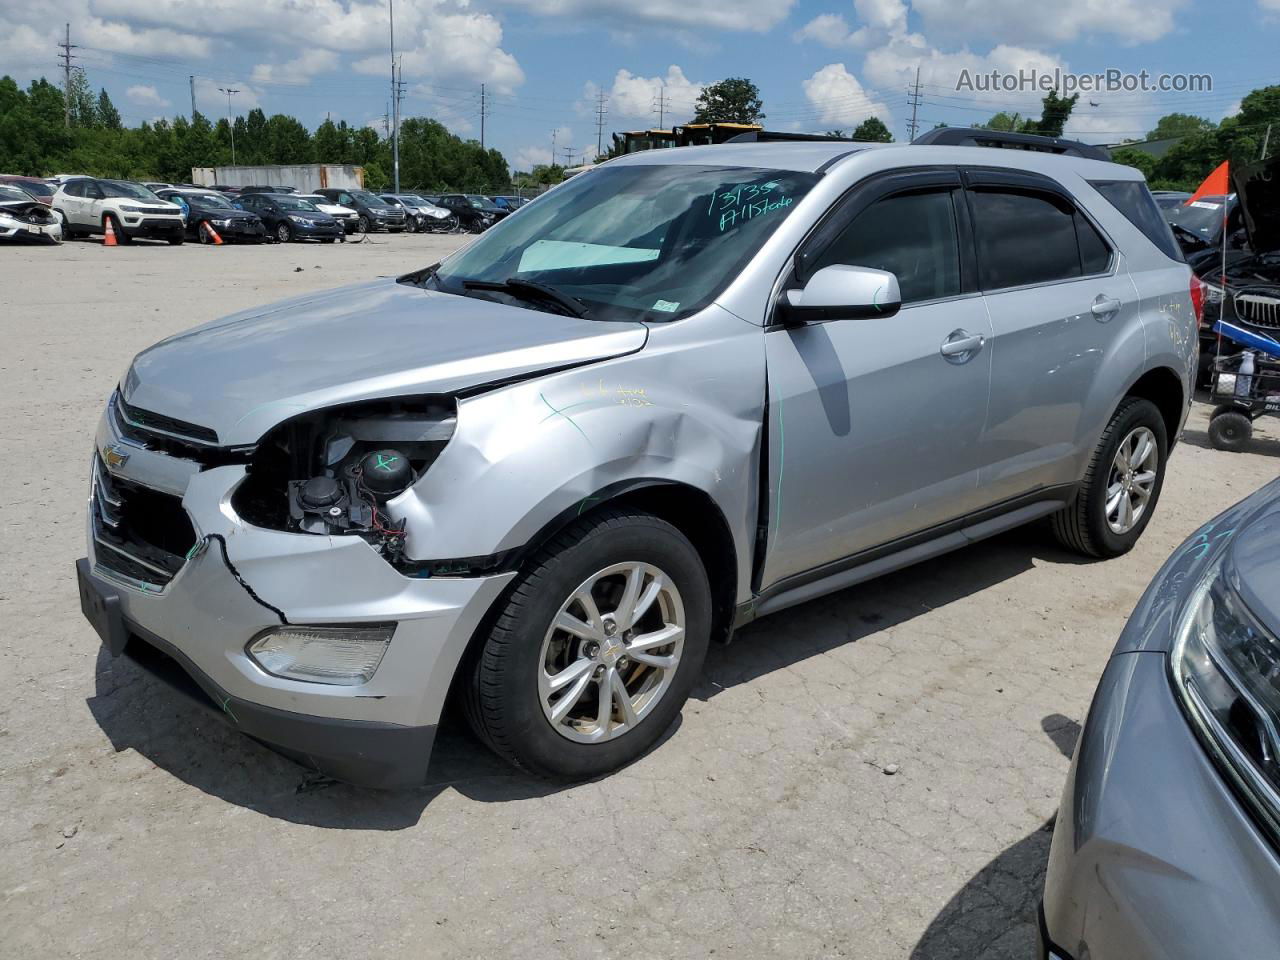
x=213, y=234
x=109, y=235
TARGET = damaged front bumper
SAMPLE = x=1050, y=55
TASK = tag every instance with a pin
x=238, y=580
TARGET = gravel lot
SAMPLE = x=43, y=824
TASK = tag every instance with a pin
x=132, y=826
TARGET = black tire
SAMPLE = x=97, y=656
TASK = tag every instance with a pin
x=1082, y=527
x=362, y=223
x=500, y=691
x=327, y=239
x=177, y=241
x=67, y=232
x=1230, y=430
x=284, y=232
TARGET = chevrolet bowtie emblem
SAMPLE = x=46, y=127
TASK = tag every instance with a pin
x=114, y=455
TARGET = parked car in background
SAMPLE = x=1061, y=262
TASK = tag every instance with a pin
x=259, y=188
x=86, y=205
x=201, y=207
x=344, y=215
x=156, y=187
x=1167, y=841
x=474, y=212
x=372, y=212
x=421, y=215
x=291, y=218
x=1169, y=199
x=24, y=219
x=511, y=204
x=544, y=473
x=39, y=188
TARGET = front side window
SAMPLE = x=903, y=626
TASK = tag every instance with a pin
x=654, y=242
x=911, y=235
x=1025, y=237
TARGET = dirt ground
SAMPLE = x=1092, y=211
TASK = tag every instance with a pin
x=764, y=826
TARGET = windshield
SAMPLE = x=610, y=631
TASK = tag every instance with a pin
x=1203, y=217
x=36, y=188
x=209, y=200
x=290, y=202
x=9, y=192
x=482, y=203
x=122, y=188
x=635, y=242
x=369, y=199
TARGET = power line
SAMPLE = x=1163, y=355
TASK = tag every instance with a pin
x=66, y=56
x=914, y=98
x=484, y=113
x=601, y=112
x=662, y=103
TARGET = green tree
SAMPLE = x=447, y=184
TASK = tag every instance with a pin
x=1136, y=158
x=1054, y=114
x=1179, y=125
x=84, y=106
x=733, y=100
x=1006, y=122
x=107, y=114
x=873, y=130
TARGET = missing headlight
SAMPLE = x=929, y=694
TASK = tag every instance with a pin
x=335, y=471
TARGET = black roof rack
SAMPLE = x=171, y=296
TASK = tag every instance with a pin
x=979, y=137
x=770, y=136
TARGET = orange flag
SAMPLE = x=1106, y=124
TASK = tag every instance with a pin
x=1216, y=184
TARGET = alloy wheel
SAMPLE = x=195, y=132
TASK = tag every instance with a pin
x=611, y=652
x=1134, y=472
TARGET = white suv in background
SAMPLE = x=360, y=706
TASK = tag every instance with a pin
x=85, y=205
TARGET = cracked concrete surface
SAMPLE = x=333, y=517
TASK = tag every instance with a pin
x=763, y=825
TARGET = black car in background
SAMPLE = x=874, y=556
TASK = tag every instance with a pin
x=374, y=212
x=291, y=218
x=511, y=204
x=474, y=212
x=207, y=207
x=1198, y=227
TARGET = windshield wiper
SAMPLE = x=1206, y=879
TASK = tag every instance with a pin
x=532, y=290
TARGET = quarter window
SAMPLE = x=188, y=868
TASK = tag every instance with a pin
x=913, y=236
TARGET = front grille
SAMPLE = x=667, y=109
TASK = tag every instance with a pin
x=1258, y=307
x=141, y=533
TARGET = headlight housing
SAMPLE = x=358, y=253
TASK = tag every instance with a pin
x=297, y=219
x=340, y=656
x=130, y=208
x=1212, y=294
x=221, y=223
x=1226, y=670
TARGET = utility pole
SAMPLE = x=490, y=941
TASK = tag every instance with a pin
x=395, y=119
x=192, y=81
x=483, y=110
x=1265, y=140
x=913, y=98
x=601, y=100
x=661, y=105
x=230, y=123
x=67, y=46
x=553, y=147
x=395, y=100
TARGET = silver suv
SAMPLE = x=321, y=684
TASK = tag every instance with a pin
x=686, y=389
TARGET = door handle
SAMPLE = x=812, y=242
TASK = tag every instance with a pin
x=1104, y=307
x=961, y=346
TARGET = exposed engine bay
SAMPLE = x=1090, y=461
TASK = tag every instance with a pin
x=337, y=472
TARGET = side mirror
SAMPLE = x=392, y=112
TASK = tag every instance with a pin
x=842, y=292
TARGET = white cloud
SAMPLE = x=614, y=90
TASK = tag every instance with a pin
x=828, y=29
x=464, y=47
x=635, y=97
x=531, y=155
x=298, y=70
x=145, y=95
x=757, y=16
x=840, y=99
x=211, y=93
x=1048, y=21
x=527, y=158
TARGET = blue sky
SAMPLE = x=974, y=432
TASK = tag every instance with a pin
x=819, y=63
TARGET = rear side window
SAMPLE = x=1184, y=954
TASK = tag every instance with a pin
x=1134, y=200
x=913, y=236
x=1028, y=237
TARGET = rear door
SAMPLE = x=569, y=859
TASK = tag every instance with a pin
x=1057, y=291
x=873, y=431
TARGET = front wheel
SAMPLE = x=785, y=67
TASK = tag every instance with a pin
x=177, y=241
x=283, y=233
x=362, y=224
x=596, y=650
x=1122, y=485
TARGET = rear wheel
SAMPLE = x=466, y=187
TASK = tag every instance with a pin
x=1230, y=430
x=1122, y=485
x=596, y=650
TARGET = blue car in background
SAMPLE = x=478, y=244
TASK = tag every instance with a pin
x=1167, y=839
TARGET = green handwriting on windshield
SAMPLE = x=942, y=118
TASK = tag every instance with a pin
x=746, y=201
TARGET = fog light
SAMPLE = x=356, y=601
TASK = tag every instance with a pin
x=337, y=655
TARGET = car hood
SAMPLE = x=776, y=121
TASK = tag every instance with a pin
x=244, y=374
x=28, y=208
x=1257, y=185
x=1253, y=563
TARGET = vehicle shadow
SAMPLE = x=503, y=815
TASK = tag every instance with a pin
x=994, y=915
x=138, y=712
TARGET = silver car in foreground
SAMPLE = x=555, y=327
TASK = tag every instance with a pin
x=1167, y=844
x=686, y=389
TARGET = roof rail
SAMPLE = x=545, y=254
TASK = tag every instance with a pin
x=979, y=137
x=770, y=136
